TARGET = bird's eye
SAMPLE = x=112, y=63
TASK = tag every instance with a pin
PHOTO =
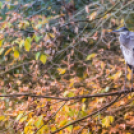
x=125, y=29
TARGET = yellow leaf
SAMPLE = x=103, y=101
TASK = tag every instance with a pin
x=8, y=51
x=93, y=15
x=49, y=8
x=53, y=128
x=51, y=35
x=44, y=129
x=129, y=74
x=29, y=129
x=111, y=119
x=66, y=109
x=21, y=43
x=106, y=16
x=63, y=122
x=30, y=122
x=24, y=118
x=76, y=128
x=61, y=71
x=117, y=75
x=19, y=116
x=27, y=44
x=107, y=121
x=102, y=65
x=44, y=21
x=43, y=58
x=16, y=54
x=1, y=42
x=65, y=93
x=2, y=117
x=84, y=107
x=70, y=128
x=89, y=57
x=84, y=99
x=23, y=24
x=71, y=84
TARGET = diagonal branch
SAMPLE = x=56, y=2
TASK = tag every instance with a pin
x=100, y=110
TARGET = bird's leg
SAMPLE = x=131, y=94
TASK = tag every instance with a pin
x=125, y=77
x=132, y=79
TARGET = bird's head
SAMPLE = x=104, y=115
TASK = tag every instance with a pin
x=122, y=30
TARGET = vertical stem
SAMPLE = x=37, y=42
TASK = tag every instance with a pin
x=132, y=78
x=125, y=76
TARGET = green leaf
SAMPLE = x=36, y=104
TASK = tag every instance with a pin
x=39, y=122
x=1, y=50
x=70, y=128
x=16, y=54
x=9, y=25
x=43, y=58
x=71, y=112
x=68, y=94
x=83, y=113
x=29, y=39
x=1, y=4
x=37, y=55
x=71, y=94
x=37, y=38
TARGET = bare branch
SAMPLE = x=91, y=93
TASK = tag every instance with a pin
x=68, y=98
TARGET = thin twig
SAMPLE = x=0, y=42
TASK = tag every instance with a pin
x=17, y=66
x=51, y=117
x=76, y=121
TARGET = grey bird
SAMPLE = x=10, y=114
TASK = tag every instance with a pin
x=126, y=40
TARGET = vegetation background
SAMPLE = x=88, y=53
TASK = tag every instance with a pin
x=61, y=70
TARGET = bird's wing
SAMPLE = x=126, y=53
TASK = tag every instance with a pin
x=131, y=36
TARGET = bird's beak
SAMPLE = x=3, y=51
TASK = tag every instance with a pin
x=115, y=31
